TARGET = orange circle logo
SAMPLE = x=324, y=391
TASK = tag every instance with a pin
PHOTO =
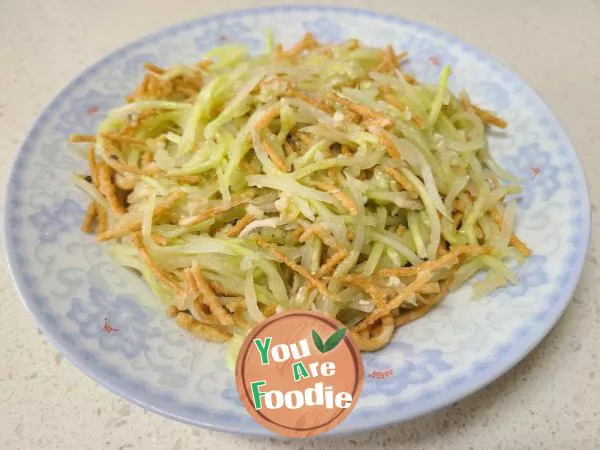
x=299, y=374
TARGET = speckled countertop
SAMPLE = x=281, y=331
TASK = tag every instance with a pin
x=550, y=400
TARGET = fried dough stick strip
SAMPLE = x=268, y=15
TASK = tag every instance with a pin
x=158, y=271
x=422, y=278
x=420, y=311
x=154, y=69
x=269, y=116
x=102, y=220
x=448, y=259
x=317, y=103
x=379, y=340
x=387, y=143
x=88, y=220
x=136, y=225
x=340, y=196
x=331, y=263
x=209, y=297
x=299, y=269
x=486, y=117
x=363, y=110
x=240, y=225
x=203, y=331
x=514, y=240
x=77, y=138
x=377, y=293
x=108, y=189
x=221, y=290
x=274, y=156
x=215, y=211
x=394, y=101
x=113, y=159
x=401, y=180
x=306, y=43
x=191, y=301
x=91, y=155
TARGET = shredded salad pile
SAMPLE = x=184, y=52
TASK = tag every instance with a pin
x=321, y=177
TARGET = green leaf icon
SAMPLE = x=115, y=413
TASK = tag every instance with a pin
x=318, y=341
x=334, y=340
x=331, y=342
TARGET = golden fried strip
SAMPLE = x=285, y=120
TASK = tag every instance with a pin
x=159, y=272
x=295, y=235
x=389, y=59
x=108, y=189
x=421, y=280
x=189, y=179
x=88, y=220
x=203, y=331
x=154, y=69
x=240, y=225
x=147, y=158
x=202, y=316
x=400, y=229
x=297, y=268
x=318, y=231
x=209, y=297
x=377, y=293
x=205, y=63
x=186, y=91
x=377, y=341
x=140, y=90
x=269, y=116
x=116, y=162
x=113, y=137
x=448, y=259
x=410, y=79
x=269, y=310
x=191, y=292
x=520, y=245
x=430, y=288
x=238, y=317
x=172, y=312
x=91, y=155
x=159, y=239
x=317, y=103
x=398, y=103
x=401, y=180
x=306, y=43
x=486, y=117
x=331, y=263
x=77, y=138
x=377, y=117
x=274, y=156
x=136, y=225
x=514, y=240
x=102, y=220
x=388, y=144
x=222, y=290
x=340, y=196
x=420, y=311
x=217, y=210
x=412, y=314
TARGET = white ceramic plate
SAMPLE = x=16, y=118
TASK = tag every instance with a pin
x=70, y=286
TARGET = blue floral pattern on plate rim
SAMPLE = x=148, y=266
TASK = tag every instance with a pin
x=91, y=311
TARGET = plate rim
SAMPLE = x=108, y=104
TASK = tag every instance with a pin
x=476, y=381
